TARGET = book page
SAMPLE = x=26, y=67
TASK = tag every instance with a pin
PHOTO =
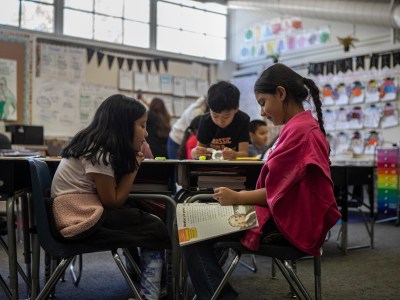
x=201, y=221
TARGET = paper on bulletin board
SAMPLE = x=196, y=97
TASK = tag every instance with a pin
x=125, y=80
x=202, y=87
x=190, y=87
x=166, y=84
x=60, y=62
x=179, y=106
x=55, y=106
x=8, y=89
x=179, y=86
x=153, y=82
x=90, y=98
x=141, y=82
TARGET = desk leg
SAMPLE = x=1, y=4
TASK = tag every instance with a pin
x=35, y=266
x=12, y=248
x=26, y=237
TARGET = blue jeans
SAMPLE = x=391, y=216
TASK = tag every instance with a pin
x=151, y=263
x=204, y=270
x=172, y=149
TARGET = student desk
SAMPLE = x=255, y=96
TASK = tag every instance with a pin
x=343, y=176
x=15, y=184
x=155, y=180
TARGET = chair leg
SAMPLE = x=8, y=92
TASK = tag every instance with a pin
x=76, y=276
x=54, y=278
x=317, y=277
x=228, y=274
x=4, y=286
x=292, y=279
x=252, y=268
x=124, y=272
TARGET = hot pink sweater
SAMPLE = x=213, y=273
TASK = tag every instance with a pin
x=299, y=188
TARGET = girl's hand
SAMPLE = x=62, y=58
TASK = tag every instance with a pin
x=225, y=196
x=228, y=153
x=139, y=157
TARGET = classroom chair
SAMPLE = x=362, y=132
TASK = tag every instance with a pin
x=284, y=256
x=65, y=251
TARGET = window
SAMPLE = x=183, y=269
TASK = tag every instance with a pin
x=192, y=28
x=118, y=21
x=35, y=15
x=179, y=26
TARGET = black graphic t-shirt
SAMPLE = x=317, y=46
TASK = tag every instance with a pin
x=218, y=138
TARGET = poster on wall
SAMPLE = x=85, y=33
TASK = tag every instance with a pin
x=8, y=89
x=55, y=106
x=64, y=63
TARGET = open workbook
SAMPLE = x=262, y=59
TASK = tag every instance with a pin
x=201, y=221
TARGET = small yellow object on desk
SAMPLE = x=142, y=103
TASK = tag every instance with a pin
x=248, y=158
x=160, y=158
x=203, y=157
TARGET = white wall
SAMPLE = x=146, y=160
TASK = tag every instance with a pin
x=372, y=39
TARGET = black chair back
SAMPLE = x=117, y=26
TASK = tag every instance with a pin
x=41, y=184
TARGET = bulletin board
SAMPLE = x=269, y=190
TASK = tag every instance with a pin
x=16, y=51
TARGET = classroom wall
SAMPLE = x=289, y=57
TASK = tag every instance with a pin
x=44, y=92
x=372, y=39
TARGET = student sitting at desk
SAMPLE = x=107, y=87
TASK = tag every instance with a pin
x=294, y=194
x=258, y=136
x=93, y=181
x=225, y=127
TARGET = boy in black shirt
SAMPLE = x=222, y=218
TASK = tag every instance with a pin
x=225, y=127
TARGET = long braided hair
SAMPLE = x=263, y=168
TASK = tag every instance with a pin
x=297, y=87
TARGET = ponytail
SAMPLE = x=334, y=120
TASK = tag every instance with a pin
x=314, y=91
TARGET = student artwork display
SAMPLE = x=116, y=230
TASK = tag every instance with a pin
x=279, y=35
x=347, y=144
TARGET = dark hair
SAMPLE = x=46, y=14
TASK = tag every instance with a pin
x=111, y=132
x=223, y=96
x=254, y=124
x=194, y=125
x=297, y=87
x=162, y=118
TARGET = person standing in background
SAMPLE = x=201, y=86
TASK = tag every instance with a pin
x=258, y=136
x=175, y=137
x=189, y=139
x=158, y=127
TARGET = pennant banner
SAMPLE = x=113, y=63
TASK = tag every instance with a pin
x=374, y=61
x=120, y=62
x=330, y=67
x=165, y=64
x=100, y=56
x=110, y=59
x=385, y=60
x=148, y=65
x=360, y=62
x=348, y=64
x=130, y=63
x=139, y=64
x=89, y=53
x=157, y=64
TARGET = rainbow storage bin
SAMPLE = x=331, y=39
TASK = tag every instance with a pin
x=388, y=163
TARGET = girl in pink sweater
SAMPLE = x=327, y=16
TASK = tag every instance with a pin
x=294, y=194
